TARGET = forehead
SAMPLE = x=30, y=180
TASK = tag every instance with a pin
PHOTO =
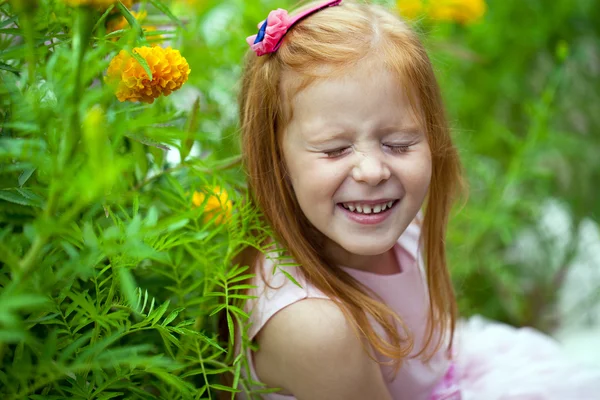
x=366, y=94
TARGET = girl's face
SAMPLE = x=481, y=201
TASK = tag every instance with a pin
x=358, y=161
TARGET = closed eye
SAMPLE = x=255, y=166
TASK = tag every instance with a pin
x=337, y=152
x=399, y=148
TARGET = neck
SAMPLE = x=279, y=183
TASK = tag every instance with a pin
x=382, y=264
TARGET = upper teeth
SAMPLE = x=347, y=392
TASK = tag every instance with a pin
x=367, y=208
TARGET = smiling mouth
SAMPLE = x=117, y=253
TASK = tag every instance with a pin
x=362, y=208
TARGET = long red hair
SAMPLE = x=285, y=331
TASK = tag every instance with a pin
x=338, y=38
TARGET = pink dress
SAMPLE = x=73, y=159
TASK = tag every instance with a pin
x=405, y=292
x=491, y=361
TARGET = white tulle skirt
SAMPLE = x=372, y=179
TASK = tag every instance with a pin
x=498, y=362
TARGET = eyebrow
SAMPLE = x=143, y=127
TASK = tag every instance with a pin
x=410, y=132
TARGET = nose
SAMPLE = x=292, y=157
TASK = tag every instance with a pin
x=370, y=169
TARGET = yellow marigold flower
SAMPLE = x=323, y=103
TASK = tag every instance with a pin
x=461, y=11
x=99, y=4
x=93, y=3
x=411, y=9
x=169, y=72
x=217, y=204
x=197, y=4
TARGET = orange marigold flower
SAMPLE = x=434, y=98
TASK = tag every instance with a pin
x=217, y=204
x=169, y=72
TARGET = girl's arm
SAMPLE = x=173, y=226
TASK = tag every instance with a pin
x=310, y=350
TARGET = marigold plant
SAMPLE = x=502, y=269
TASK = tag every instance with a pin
x=217, y=204
x=169, y=72
x=461, y=11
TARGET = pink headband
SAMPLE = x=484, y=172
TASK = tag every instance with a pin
x=272, y=30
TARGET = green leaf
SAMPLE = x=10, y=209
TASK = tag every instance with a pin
x=25, y=175
x=236, y=375
x=128, y=286
x=225, y=388
x=242, y=287
x=89, y=236
x=110, y=395
x=187, y=322
x=238, y=310
x=136, y=204
x=290, y=277
x=173, y=381
x=165, y=10
x=103, y=17
x=101, y=349
x=191, y=127
x=216, y=310
x=172, y=316
x=9, y=68
x=240, y=278
x=142, y=62
x=159, y=312
x=135, y=25
x=73, y=346
x=230, y=326
x=147, y=141
x=8, y=195
x=8, y=21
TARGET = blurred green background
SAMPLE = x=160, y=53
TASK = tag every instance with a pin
x=114, y=267
x=520, y=81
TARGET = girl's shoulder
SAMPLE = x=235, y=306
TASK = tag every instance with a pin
x=277, y=285
x=303, y=343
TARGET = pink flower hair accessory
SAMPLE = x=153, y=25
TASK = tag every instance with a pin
x=272, y=30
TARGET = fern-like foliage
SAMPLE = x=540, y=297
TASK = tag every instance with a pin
x=112, y=276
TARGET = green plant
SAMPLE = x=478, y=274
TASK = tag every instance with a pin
x=111, y=278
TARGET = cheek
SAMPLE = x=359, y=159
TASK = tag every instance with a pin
x=416, y=173
x=316, y=185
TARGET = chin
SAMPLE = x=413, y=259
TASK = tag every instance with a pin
x=369, y=249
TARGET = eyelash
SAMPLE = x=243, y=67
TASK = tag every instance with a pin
x=336, y=153
x=403, y=148
x=398, y=149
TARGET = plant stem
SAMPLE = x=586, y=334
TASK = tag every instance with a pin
x=32, y=255
x=82, y=31
x=25, y=11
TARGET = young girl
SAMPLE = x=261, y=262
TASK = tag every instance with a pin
x=350, y=159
